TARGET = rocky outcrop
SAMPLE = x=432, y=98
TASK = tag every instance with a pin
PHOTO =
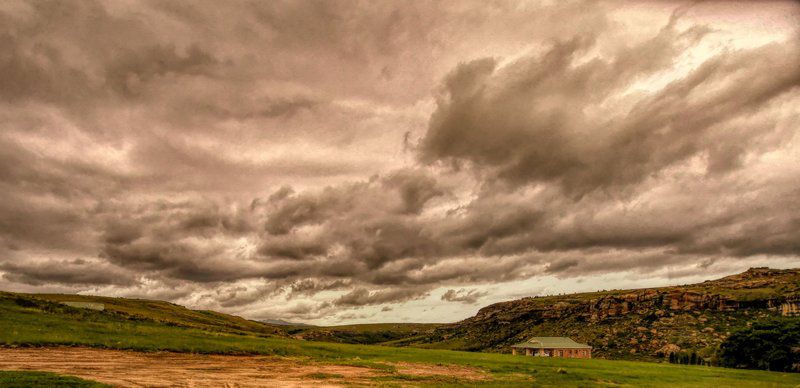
x=791, y=307
x=635, y=324
x=652, y=301
x=667, y=349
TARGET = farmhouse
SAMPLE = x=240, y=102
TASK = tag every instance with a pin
x=552, y=347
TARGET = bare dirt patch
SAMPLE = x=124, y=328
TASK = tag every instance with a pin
x=166, y=369
x=431, y=370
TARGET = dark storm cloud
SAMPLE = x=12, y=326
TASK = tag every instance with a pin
x=540, y=119
x=363, y=297
x=36, y=73
x=738, y=225
x=129, y=74
x=73, y=272
x=357, y=227
x=579, y=263
x=189, y=240
x=27, y=222
x=293, y=247
x=415, y=189
x=375, y=221
x=312, y=287
x=36, y=172
x=285, y=106
x=463, y=295
x=251, y=155
x=242, y=296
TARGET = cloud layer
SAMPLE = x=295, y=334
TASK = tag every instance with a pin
x=327, y=161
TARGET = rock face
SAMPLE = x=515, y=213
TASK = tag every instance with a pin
x=791, y=307
x=633, y=324
x=644, y=301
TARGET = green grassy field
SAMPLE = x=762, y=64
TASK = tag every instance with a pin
x=34, y=322
x=24, y=379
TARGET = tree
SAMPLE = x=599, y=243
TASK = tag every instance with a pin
x=765, y=345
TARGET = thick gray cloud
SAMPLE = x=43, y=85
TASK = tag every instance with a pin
x=463, y=296
x=373, y=222
x=302, y=160
x=541, y=119
x=72, y=272
x=362, y=296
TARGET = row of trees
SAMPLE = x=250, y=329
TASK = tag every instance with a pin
x=772, y=345
x=687, y=358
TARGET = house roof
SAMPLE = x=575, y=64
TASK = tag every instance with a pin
x=551, y=343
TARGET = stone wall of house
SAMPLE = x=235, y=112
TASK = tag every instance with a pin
x=564, y=353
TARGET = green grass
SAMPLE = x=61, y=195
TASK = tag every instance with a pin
x=398, y=327
x=20, y=379
x=394, y=334
x=46, y=324
x=323, y=376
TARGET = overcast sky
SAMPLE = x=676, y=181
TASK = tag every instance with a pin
x=340, y=161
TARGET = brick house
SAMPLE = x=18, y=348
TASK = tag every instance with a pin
x=552, y=347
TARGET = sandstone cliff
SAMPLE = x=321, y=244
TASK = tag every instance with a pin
x=633, y=324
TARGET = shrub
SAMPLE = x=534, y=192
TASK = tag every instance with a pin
x=23, y=302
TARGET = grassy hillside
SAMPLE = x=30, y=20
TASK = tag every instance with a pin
x=372, y=333
x=644, y=324
x=167, y=313
x=172, y=314
x=27, y=321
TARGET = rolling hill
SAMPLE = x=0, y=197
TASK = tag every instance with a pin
x=176, y=315
x=154, y=310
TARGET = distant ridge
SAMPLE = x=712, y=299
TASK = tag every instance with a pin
x=281, y=322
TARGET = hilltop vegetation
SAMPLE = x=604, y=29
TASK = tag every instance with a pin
x=645, y=324
x=28, y=321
